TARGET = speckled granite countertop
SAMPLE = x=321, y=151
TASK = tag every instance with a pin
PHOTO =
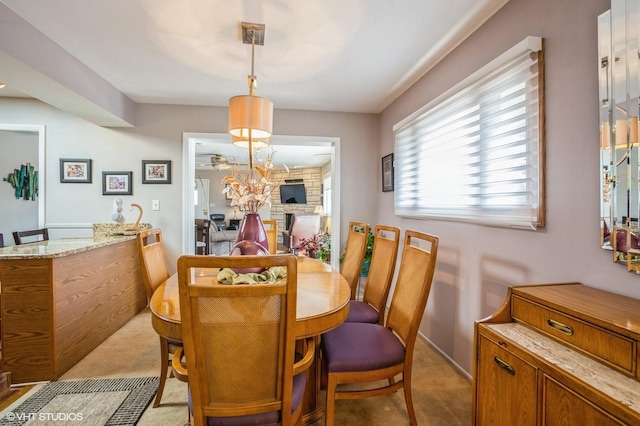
x=58, y=248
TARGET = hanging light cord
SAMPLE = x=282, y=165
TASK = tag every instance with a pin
x=253, y=80
x=253, y=84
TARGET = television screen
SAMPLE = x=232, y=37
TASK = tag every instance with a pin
x=293, y=194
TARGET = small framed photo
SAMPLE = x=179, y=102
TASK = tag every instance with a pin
x=117, y=183
x=227, y=195
x=156, y=171
x=387, y=173
x=75, y=170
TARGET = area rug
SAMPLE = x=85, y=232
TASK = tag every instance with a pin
x=94, y=402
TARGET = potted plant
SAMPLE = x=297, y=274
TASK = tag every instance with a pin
x=367, y=255
x=318, y=246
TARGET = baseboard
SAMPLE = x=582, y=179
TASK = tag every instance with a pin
x=5, y=385
x=444, y=355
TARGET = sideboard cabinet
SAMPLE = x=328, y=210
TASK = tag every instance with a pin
x=558, y=354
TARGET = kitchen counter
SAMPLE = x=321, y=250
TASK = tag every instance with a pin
x=60, y=247
x=61, y=298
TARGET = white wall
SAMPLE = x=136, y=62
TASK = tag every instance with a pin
x=476, y=264
x=72, y=208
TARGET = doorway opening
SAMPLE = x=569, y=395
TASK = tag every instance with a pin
x=20, y=143
x=281, y=144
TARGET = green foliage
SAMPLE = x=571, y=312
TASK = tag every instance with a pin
x=369, y=250
x=324, y=253
x=318, y=246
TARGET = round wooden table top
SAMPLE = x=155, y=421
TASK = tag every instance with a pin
x=323, y=300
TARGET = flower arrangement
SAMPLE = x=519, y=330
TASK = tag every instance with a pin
x=318, y=246
x=250, y=190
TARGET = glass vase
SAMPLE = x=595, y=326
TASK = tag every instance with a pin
x=251, y=240
x=252, y=229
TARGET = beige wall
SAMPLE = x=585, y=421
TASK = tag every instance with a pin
x=72, y=208
x=476, y=264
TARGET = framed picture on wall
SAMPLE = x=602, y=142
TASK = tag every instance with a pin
x=117, y=183
x=227, y=195
x=156, y=171
x=75, y=170
x=387, y=173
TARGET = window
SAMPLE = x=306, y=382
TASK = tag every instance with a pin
x=326, y=194
x=476, y=153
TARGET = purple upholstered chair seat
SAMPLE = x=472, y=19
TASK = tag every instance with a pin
x=343, y=348
x=271, y=418
x=360, y=311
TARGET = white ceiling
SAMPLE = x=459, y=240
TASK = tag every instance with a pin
x=325, y=55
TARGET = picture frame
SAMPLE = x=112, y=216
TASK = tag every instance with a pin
x=75, y=170
x=387, y=173
x=117, y=183
x=227, y=195
x=156, y=171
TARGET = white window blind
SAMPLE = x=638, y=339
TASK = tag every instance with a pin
x=475, y=154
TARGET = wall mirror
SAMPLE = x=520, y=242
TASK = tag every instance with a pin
x=619, y=90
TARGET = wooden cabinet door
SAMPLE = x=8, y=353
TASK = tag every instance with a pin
x=506, y=387
x=562, y=406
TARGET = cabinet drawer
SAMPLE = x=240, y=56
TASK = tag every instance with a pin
x=606, y=346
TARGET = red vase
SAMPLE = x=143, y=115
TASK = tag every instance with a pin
x=252, y=239
x=252, y=229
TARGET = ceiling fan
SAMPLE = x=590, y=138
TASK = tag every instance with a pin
x=216, y=161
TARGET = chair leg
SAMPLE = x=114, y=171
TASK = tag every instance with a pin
x=408, y=399
x=164, y=362
x=330, y=402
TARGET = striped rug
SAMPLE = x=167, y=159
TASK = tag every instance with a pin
x=91, y=402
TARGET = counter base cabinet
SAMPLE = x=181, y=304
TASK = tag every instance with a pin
x=515, y=403
x=562, y=406
x=56, y=310
x=562, y=354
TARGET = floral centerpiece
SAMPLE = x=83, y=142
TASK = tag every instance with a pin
x=250, y=190
x=318, y=246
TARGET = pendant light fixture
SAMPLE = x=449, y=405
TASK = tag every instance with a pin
x=257, y=143
x=250, y=116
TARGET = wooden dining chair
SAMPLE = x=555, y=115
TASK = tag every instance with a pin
x=155, y=271
x=354, y=254
x=23, y=237
x=302, y=226
x=271, y=226
x=239, y=344
x=376, y=291
x=358, y=353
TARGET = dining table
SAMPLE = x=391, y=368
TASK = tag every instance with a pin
x=322, y=305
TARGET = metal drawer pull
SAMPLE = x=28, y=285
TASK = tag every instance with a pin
x=502, y=364
x=563, y=328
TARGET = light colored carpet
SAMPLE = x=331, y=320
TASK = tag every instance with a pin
x=441, y=395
